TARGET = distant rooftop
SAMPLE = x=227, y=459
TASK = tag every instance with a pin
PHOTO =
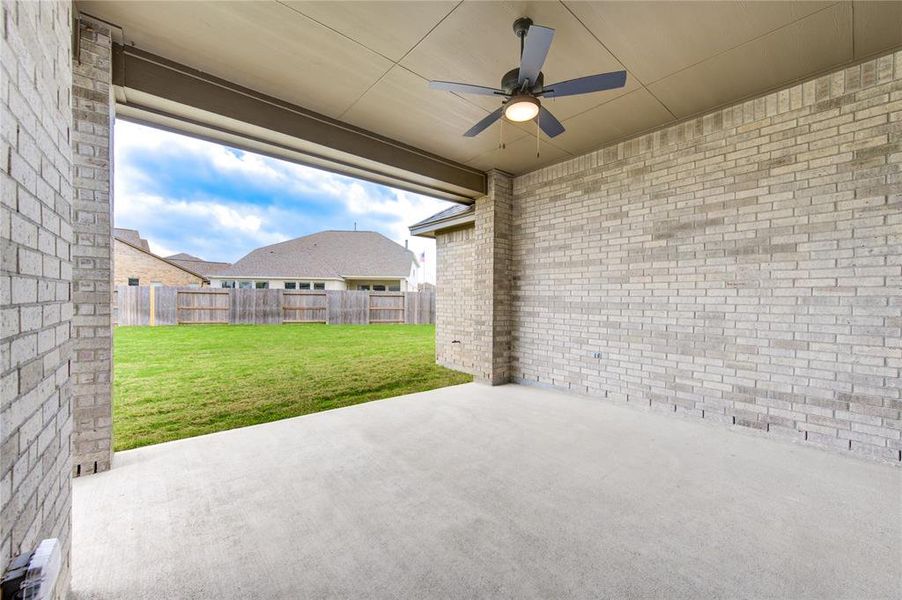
x=207, y=268
x=131, y=236
x=327, y=254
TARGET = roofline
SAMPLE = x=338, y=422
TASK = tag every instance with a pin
x=310, y=277
x=275, y=277
x=165, y=260
x=376, y=276
x=175, y=257
x=412, y=255
x=429, y=229
x=206, y=262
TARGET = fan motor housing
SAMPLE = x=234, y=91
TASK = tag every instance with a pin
x=521, y=26
x=510, y=83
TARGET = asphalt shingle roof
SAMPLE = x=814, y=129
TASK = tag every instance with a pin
x=131, y=236
x=184, y=256
x=327, y=254
x=455, y=211
x=207, y=268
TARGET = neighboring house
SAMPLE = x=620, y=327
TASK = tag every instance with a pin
x=206, y=268
x=328, y=260
x=135, y=264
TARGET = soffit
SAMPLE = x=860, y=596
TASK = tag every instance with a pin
x=367, y=63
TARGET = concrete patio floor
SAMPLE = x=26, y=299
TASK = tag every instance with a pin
x=472, y=491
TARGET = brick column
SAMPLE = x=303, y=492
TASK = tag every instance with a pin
x=92, y=251
x=492, y=281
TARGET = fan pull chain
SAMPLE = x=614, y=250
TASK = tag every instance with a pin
x=538, y=116
x=501, y=145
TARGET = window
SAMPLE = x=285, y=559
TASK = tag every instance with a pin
x=245, y=285
x=394, y=288
x=303, y=285
x=133, y=281
x=261, y=285
x=228, y=284
x=379, y=288
x=291, y=285
x=363, y=288
x=319, y=285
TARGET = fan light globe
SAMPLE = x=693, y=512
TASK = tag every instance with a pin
x=521, y=108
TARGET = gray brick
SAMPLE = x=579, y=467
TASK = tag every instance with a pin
x=23, y=290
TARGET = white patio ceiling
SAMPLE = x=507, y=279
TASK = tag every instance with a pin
x=367, y=63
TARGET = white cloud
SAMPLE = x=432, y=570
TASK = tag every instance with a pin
x=160, y=249
x=135, y=138
x=215, y=215
x=213, y=230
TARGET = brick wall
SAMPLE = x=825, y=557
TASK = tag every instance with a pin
x=131, y=262
x=455, y=299
x=744, y=267
x=35, y=235
x=92, y=250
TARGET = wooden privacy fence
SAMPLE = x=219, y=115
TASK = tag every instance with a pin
x=133, y=305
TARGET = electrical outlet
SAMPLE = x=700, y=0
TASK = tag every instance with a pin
x=596, y=355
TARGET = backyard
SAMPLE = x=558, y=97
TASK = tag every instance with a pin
x=178, y=382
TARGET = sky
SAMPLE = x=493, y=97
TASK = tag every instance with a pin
x=219, y=203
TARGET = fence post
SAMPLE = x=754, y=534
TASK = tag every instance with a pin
x=153, y=308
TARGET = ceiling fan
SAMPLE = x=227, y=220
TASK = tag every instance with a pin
x=522, y=87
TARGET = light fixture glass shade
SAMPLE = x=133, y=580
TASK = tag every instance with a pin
x=521, y=108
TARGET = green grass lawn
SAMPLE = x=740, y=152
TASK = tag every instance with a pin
x=178, y=382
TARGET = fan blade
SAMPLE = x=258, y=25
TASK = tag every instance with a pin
x=465, y=88
x=483, y=124
x=538, y=41
x=548, y=123
x=586, y=85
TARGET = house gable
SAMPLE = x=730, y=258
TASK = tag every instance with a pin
x=132, y=262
